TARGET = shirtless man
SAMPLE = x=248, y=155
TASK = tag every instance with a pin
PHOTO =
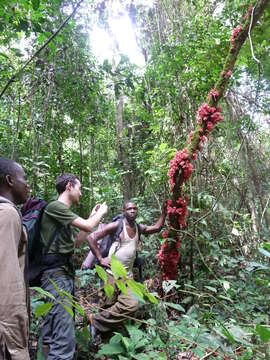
x=125, y=250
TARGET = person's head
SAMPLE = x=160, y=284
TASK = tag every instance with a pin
x=130, y=210
x=70, y=184
x=13, y=183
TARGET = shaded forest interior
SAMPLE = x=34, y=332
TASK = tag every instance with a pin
x=119, y=125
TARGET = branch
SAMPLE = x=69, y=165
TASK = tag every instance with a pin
x=12, y=79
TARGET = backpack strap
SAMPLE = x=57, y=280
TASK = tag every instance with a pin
x=139, y=231
x=119, y=229
x=116, y=235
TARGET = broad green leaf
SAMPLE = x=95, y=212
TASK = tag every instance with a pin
x=264, y=252
x=175, y=306
x=263, y=332
x=43, y=292
x=211, y=288
x=187, y=300
x=135, y=288
x=121, y=286
x=225, y=298
x=266, y=246
x=117, y=268
x=101, y=273
x=43, y=309
x=109, y=290
x=151, y=298
x=127, y=343
x=68, y=309
x=111, y=349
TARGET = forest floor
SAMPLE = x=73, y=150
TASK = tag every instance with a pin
x=220, y=315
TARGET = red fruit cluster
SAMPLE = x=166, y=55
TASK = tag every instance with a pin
x=182, y=161
x=235, y=33
x=178, y=210
x=168, y=258
x=209, y=116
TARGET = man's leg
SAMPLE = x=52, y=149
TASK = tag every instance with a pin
x=58, y=327
x=115, y=315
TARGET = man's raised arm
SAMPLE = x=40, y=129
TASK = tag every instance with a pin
x=87, y=225
x=152, y=229
x=97, y=235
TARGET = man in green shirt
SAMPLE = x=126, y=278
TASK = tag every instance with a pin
x=58, y=334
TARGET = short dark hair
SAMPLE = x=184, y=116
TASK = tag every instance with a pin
x=62, y=181
x=128, y=202
x=7, y=167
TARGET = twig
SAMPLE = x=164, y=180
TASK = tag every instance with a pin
x=12, y=79
x=209, y=354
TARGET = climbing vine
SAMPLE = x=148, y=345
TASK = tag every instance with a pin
x=180, y=166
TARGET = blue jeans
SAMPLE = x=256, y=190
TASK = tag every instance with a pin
x=58, y=327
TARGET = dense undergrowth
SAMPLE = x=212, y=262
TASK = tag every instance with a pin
x=218, y=315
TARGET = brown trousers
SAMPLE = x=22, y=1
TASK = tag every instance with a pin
x=115, y=309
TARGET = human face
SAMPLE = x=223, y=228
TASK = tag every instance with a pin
x=20, y=189
x=130, y=211
x=75, y=192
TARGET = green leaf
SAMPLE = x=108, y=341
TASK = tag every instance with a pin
x=264, y=252
x=135, y=288
x=43, y=309
x=263, y=332
x=78, y=308
x=101, y=273
x=175, y=306
x=35, y=4
x=109, y=290
x=68, y=309
x=117, y=268
x=68, y=295
x=121, y=286
x=111, y=349
x=266, y=246
x=225, y=298
x=43, y=292
x=211, y=288
x=151, y=298
x=228, y=335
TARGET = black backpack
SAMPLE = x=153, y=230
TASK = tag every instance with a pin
x=37, y=257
